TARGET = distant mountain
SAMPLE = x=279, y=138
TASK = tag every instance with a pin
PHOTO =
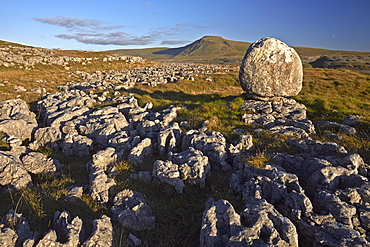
x=209, y=49
x=217, y=50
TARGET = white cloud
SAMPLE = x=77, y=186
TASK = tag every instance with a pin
x=92, y=31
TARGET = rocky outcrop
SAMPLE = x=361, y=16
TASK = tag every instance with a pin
x=131, y=211
x=100, y=168
x=190, y=165
x=65, y=232
x=321, y=186
x=270, y=68
x=12, y=172
x=16, y=119
x=260, y=224
x=28, y=57
x=211, y=144
x=35, y=163
x=280, y=116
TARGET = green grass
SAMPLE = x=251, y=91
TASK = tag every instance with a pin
x=332, y=94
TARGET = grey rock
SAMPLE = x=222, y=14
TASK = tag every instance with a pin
x=278, y=187
x=100, y=166
x=131, y=211
x=69, y=232
x=211, y=144
x=132, y=240
x=280, y=116
x=74, y=193
x=168, y=172
x=9, y=108
x=102, y=123
x=140, y=151
x=102, y=234
x=17, y=127
x=271, y=68
x=12, y=172
x=47, y=136
x=76, y=145
x=36, y=162
x=57, y=119
x=169, y=139
x=342, y=211
x=243, y=143
x=264, y=222
x=260, y=224
x=14, y=220
x=8, y=237
x=342, y=128
x=330, y=234
x=290, y=131
x=50, y=239
x=352, y=120
x=193, y=166
x=317, y=147
x=219, y=223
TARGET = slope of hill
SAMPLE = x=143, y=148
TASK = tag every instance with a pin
x=217, y=50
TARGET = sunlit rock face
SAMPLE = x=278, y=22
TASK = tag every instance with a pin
x=271, y=68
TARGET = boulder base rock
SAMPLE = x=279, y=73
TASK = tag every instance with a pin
x=270, y=68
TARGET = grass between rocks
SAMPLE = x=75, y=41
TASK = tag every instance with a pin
x=328, y=94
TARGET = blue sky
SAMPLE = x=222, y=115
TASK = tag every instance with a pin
x=121, y=24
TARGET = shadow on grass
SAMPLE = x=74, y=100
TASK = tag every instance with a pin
x=182, y=97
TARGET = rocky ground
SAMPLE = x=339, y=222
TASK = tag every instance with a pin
x=314, y=194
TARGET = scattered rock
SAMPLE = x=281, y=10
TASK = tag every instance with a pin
x=12, y=172
x=352, y=120
x=131, y=211
x=36, y=162
x=100, y=167
x=260, y=224
x=102, y=234
x=168, y=173
x=74, y=193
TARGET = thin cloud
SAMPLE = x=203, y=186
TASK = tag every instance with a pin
x=174, y=42
x=118, y=38
x=96, y=32
x=76, y=23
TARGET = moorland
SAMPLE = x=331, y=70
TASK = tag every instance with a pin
x=332, y=89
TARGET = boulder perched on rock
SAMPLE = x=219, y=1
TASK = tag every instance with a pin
x=270, y=68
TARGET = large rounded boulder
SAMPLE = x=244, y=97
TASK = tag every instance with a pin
x=271, y=68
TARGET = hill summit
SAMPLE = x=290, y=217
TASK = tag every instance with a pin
x=208, y=46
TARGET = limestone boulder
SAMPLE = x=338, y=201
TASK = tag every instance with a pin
x=131, y=211
x=12, y=171
x=271, y=68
